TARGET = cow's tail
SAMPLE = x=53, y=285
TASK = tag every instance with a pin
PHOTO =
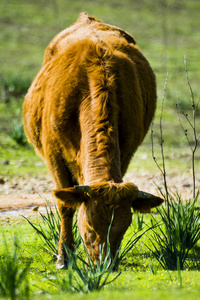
x=101, y=68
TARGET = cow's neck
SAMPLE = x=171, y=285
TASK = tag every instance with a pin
x=99, y=147
x=98, y=171
x=101, y=162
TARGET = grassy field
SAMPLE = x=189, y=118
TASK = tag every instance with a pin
x=166, y=32
x=141, y=275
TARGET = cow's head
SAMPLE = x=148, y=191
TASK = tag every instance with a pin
x=97, y=204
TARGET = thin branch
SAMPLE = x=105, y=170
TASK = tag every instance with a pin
x=179, y=118
x=162, y=142
x=194, y=143
x=152, y=149
x=162, y=168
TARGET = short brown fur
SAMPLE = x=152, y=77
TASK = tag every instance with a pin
x=86, y=113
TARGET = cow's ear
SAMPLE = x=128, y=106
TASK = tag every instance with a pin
x=69, y=197
x=144, y=203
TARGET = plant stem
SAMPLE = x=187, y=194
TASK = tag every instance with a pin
x=192, y=144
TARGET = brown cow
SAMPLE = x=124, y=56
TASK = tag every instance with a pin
x=86, y=113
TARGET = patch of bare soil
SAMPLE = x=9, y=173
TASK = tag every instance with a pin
x=31, y=192
x=25, y=192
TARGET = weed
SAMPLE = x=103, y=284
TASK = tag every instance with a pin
x=86, y=277
x=95, y=273
x=181, y=221
x=140, y=221
x=181, y=233
x=152, y=266
x=90, y=274
x=18, y=135
x=49, y=231
x=13, y=276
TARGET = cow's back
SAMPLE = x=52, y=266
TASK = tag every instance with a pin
x=59, y=100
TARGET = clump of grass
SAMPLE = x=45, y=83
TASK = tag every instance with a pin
x=94, y=274
x=49, y=229
x=140, y=221
x=181, y=232
x=13, y=275
x=15, y=84
x=86, y=277
x=18, y=135
x=181, y=221
x=90, y=274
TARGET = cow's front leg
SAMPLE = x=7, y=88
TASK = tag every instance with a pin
x=66, y=235
x=63, y=179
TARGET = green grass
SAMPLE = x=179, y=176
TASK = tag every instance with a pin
x=141, y=275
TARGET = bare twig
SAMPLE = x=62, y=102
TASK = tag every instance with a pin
x=161, y=168
x=193, y=144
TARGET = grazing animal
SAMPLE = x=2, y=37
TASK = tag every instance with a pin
x=86, y=113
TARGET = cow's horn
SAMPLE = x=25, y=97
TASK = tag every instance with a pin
x=82, y=188
x=142, y=194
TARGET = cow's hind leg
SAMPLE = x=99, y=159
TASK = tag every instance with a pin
x=62, y=179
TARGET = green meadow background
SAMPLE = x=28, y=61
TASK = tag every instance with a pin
x=165, y=30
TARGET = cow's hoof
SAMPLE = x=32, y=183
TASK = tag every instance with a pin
x=60, y=264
